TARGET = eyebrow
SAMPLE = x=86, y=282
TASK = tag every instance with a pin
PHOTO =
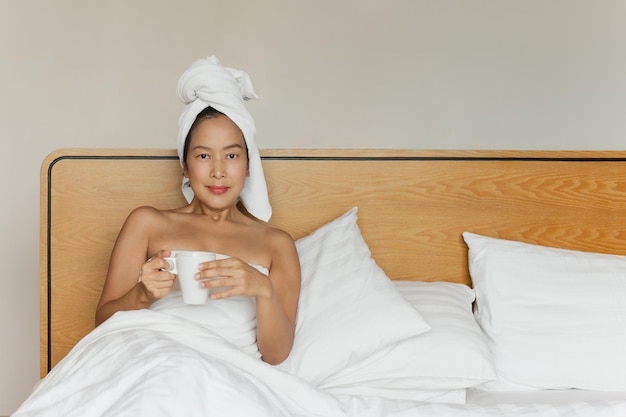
x=234, y=145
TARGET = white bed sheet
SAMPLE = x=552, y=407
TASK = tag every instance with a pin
x=499, y=404
x=146, y=363
x=476, y=396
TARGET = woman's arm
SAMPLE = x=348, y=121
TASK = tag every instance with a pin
x=122, y=289
x=276, y=313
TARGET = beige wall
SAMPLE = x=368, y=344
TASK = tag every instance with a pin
x=538, y=74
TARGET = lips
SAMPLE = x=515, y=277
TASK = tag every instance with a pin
x=218, y=189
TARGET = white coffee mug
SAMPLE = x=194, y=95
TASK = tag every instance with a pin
x=185, y=265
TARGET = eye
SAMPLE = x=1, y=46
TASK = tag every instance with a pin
x=231, y=156
x=203, y=156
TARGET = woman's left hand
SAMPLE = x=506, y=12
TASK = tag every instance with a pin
x=235, y=277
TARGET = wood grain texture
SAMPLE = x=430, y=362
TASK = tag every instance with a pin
x=413, y=207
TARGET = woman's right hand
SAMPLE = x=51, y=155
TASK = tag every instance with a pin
x=157, y=281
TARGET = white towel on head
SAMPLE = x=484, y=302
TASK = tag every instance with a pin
x=207, y=83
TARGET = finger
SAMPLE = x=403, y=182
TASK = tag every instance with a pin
x=161, y=285
x=223, y=268
x=209, y=275
x=219, y=295
x=226, y=263
x=211, y=265
x=216, y=269
x=159, y=264
x=216, y=283
x=163, y=254
x=224, y=294
x=158, y=276
x=155, y=286
x=159, y=255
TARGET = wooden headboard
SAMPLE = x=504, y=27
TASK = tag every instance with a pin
x=413, y=207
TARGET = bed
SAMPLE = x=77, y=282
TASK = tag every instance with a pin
x=546, y=238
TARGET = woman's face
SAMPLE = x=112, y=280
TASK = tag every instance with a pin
x=217, y=162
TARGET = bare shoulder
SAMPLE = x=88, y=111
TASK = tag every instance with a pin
x=145, y=217
x=278, y=237
x=146, y=214
x=283, y=248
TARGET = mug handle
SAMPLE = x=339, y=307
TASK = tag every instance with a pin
x=171, y=265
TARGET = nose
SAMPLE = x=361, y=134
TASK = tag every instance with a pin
x=217, y=169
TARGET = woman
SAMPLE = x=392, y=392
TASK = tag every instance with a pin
x=217, y=155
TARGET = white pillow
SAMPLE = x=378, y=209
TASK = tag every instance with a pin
x=554, y=318
x=348, y=307
x=453, y=355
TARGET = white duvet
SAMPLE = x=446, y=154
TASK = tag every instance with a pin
x=146, y=363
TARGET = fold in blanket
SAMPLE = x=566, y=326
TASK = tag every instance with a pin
x=207, y=83
x=146, y=363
